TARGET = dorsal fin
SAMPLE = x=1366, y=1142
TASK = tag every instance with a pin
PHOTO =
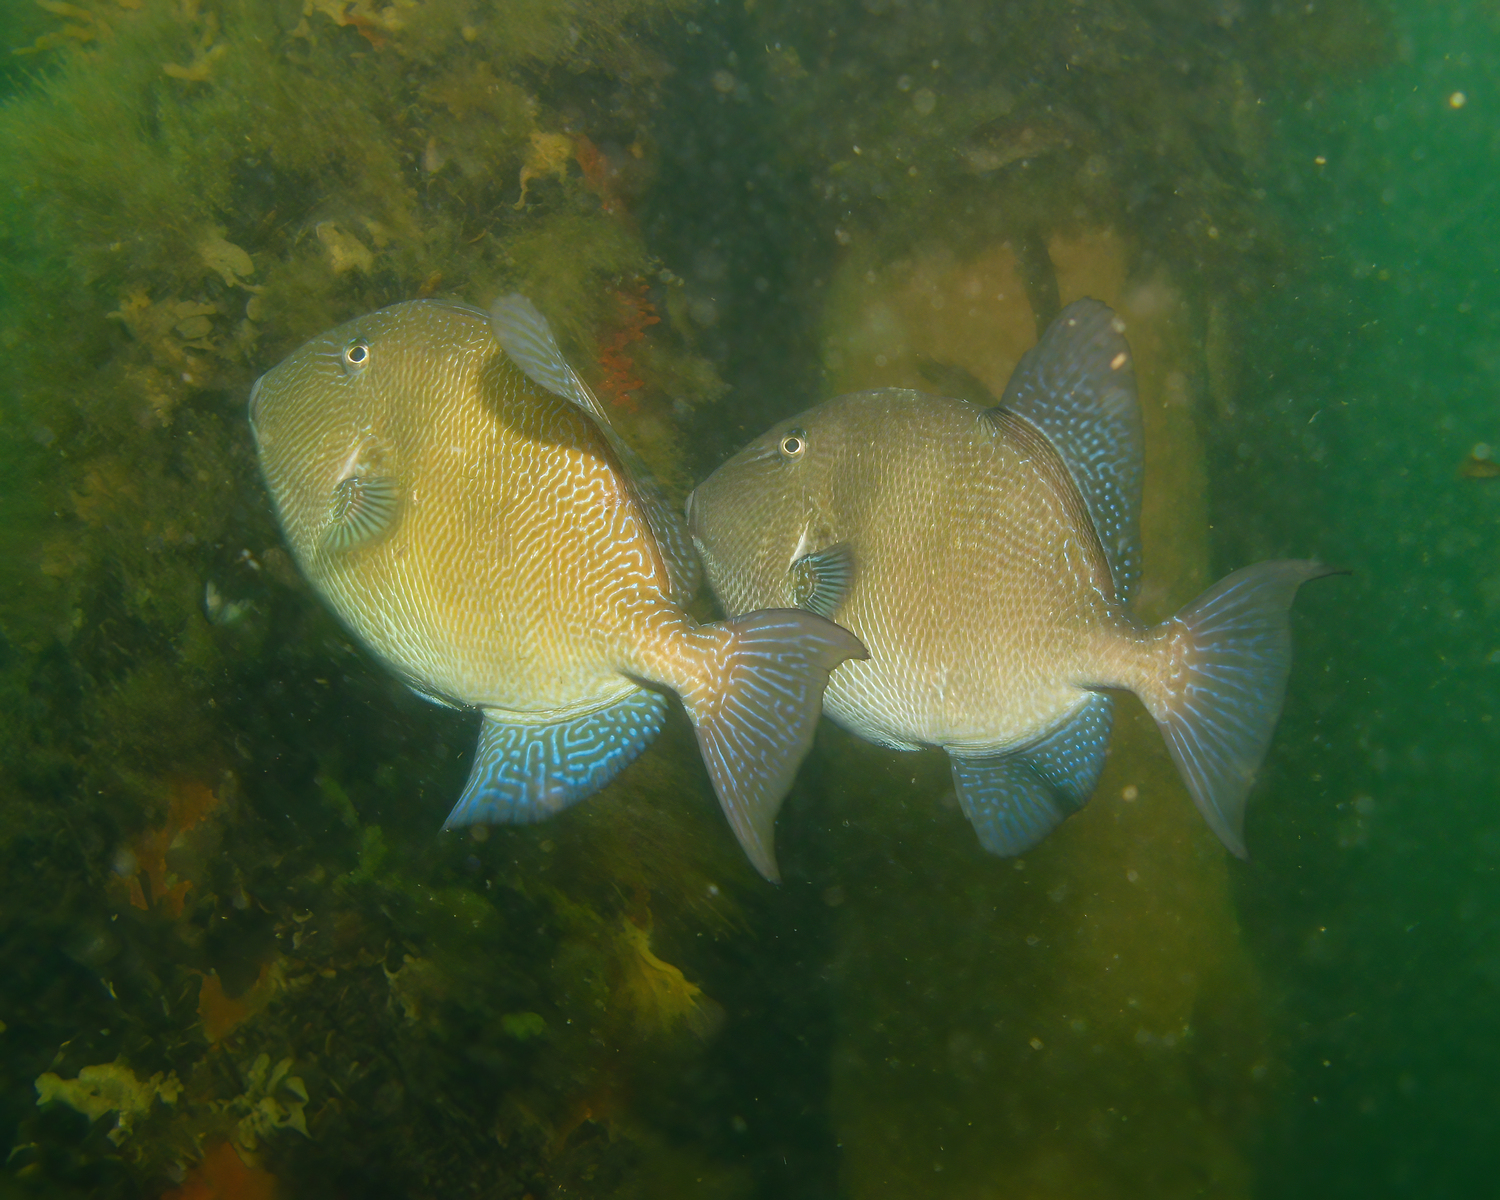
x=526, y=337
x=1077, y=385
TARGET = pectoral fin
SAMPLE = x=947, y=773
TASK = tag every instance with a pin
x=525, y=771
x=821, y=581
x=1015, y=800
x=363, y=509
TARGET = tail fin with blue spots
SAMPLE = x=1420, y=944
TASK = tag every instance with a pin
x=755, y=709
x=1218, y=691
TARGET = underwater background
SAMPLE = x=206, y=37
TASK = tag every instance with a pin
x=237, y=958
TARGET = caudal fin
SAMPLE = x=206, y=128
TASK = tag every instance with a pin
x=1225, y=660
x=756, y=712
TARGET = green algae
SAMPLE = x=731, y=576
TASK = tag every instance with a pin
x=352, y=1001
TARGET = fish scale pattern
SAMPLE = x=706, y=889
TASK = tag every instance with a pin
x=517, y=540
x=975, y=573
x=529, y=342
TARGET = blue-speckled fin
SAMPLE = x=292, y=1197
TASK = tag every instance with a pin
x=524, y=772
x=526, y=337
x=1015, y=800
x=1222, y=678
x=821, y=581
x=1077, y=385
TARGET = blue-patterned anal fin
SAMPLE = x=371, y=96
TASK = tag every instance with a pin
x=525, y=772
x=1015, y=800
x=1077, y=385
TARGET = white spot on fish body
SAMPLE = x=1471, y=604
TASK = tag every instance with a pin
x=351, y=464
x=803, y=542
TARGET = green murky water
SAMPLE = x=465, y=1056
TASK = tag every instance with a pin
x=239, y=959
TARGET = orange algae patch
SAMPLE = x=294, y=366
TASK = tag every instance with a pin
x=360, y=15
x=220, y=1013
x=636, y=312
x=598, y=175
x=191, y=802
x=222, y=1175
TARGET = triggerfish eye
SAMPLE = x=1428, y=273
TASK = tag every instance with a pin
x=793, y=446
x=356, y=355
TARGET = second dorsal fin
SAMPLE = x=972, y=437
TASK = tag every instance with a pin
x=1077, y=385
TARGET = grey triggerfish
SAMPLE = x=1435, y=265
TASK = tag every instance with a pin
x=455, y=493
x=986, y=557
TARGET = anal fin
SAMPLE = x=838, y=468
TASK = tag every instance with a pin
x=1015, y=800
x=525, y=771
